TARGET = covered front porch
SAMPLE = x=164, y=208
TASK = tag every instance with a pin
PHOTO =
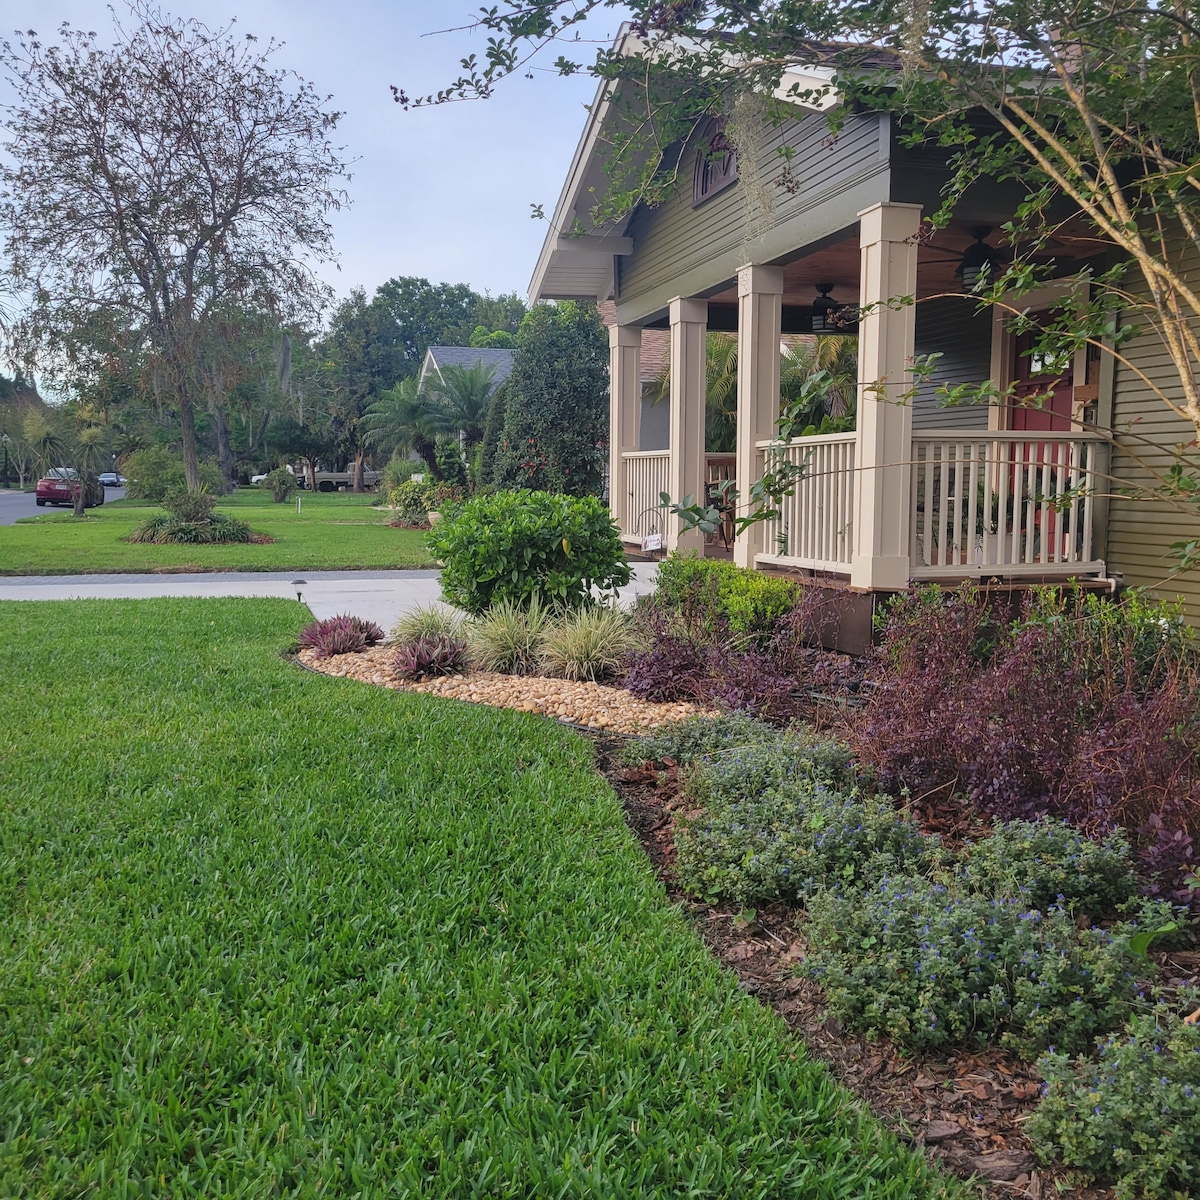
x=919, y=490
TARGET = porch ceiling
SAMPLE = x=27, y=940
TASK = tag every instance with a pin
x=937, y=263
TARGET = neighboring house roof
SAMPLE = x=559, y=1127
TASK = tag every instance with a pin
x=437, y=357
x=656, y=345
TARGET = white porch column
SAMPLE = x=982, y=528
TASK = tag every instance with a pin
x=624, y=416
x=689, y=328
x=883, y=517
x=760, y=319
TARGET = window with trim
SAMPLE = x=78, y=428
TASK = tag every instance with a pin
x=716, y=163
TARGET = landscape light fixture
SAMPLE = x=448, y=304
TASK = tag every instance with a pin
x=978, y=260
x=829, y=315
x=300, y=584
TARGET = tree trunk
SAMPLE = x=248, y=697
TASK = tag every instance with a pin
x=187, y=422
x=79, y=495
x=224, y=446
x=358, y=471
x=428, y=454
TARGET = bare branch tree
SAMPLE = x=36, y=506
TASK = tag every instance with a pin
x=158, y=179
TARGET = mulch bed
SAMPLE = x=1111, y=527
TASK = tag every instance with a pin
x=965, y=1109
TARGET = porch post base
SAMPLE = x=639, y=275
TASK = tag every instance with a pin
x=891, y=574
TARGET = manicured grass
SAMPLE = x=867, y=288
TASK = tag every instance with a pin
x=331, y=532
x=268, y=933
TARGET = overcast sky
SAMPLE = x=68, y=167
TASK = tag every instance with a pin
x=442, y=192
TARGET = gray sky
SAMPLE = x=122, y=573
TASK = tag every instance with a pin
x=443, y=192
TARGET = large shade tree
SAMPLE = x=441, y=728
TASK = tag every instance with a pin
x=155, y=178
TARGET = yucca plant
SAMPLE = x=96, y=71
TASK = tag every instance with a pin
x=428, y=620
x=508, y=638
x=589, y=644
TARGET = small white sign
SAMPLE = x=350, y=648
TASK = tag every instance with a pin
x=652, y=541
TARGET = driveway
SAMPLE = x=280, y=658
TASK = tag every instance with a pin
x=14, y=504
x=380, y=596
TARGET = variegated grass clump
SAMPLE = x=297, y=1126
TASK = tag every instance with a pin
x=429, y=621
x=590, y=644
x=508, y=638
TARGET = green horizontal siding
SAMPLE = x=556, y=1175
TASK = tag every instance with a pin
x=674, y=238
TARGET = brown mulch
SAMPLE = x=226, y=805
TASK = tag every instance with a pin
x=964, y=1109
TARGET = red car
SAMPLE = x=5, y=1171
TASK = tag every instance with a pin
x=58, y=486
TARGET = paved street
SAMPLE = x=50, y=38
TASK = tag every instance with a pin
x=381, y=596
x=14, y=504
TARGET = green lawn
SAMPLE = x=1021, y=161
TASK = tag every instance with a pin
x=330, y=532
x=270, y=933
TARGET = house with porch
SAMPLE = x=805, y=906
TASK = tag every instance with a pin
x=919, y=491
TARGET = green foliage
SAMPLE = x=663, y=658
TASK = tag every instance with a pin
x=1133, y=1115
x=930, y=965
x=414, y=499
x=190, y=506
x=688, y=741
x=428, y=620
x=1050, y=862
x=216, y=530
x=397, y=470
x=482, y=338
x=425, y=922
x=779, y=821
x=518, y=545
x=508, y=637
x=281, y=483
x=590, y=643
x=493, y=432
x=752, y=602
x=556, y=415
x=450, y=464
x=155, y=471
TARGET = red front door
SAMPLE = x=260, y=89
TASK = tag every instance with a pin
x=1043, y=389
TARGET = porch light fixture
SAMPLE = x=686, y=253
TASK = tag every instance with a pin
x=828, y=316
x=978, y=260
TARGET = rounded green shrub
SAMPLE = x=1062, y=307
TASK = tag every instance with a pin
x=155, y=472
x=517, y=545
x=1050, y=862
x=929, y=964
x=1132, y=1114
x=752, y=603
x=281, y=483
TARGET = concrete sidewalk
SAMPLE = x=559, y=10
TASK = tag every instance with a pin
x=380, y=596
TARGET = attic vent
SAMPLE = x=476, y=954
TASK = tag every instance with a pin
x=716, y=163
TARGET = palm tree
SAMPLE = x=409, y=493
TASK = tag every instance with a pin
x=461, y=397
x=403, y=420
x=836, y=354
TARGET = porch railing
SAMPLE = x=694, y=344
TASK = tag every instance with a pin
x=646, y=478
x=814, y=529
x=1005, y=503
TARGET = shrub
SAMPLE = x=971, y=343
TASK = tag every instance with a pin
x=929, y=966
x=412, y=500
x=450, y=463
x=517, y=545
x=1133, y=1115
x=281, y=483
x=154, y=472
x=752, y=603
x=189, y=506
x=591, y=643
x=397, y=470
x=432, y=620
x=190, y=520
x=556, y=405
x=342, y=634
x=780, y=820
x=508, y=638
x=1049, y=862
x=688, y=741
x=675, y=661
x=1080, y=708
x=430, y=654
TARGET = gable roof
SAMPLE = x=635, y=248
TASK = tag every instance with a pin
x=437, y=357
x=584, y=267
